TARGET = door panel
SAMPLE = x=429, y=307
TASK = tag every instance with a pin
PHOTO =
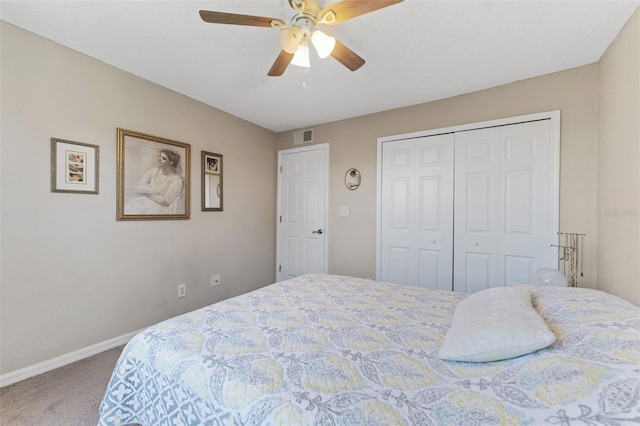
x=429, y=269
x=398, y=215
x=503, y=205
x=519, y=202
x=400, y=198
x=417, y=212
x=302, y=184
x=434, y=209
x=527, y=213
x=293, y=190
x=430, y=202
x=291, y=250
x=479, y=272
x=311, y=196
x=475, y=256
x=400, y=265
x=478, y=191
x=518, y=269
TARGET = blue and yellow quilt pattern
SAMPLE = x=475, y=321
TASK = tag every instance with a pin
x=334, y=350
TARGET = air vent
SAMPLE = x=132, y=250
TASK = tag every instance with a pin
x=302, y=136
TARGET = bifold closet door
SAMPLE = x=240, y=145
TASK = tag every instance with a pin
x=417, y=212
x=503, y=205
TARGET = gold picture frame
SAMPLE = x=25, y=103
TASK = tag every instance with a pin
x=74, y=167
x=153, y=177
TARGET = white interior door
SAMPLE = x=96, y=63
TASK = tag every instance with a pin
x=302, y=211
x=417, y=212
x=504, y=205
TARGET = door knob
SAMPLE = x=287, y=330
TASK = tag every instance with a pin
x=475, y=243
x=319, y=231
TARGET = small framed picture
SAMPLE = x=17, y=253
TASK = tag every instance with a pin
x=352, y=179
x=211, y=181
x=153, y=177
x=74, y=167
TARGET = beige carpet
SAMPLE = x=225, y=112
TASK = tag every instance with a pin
x=67, y=396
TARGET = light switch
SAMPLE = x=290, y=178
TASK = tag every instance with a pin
x=344, y=211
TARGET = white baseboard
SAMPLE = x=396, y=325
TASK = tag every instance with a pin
x=52, y=364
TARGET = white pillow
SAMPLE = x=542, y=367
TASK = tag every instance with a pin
x=494, y=324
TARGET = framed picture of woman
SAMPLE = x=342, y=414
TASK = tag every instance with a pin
x=153, y=177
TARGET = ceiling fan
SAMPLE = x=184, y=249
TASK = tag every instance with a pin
x=302, y=29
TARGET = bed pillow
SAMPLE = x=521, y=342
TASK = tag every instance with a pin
x=495, y=324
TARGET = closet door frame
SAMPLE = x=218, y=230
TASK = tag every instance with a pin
x=552, y=116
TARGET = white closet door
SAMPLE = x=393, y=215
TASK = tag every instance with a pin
x=477, y=209
x=398, y=219
x=417, y=212
x=526, y=210
x=503, y=205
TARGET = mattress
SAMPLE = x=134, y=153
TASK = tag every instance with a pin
x=333, y=350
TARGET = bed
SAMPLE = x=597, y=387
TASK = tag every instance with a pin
x=333, y=350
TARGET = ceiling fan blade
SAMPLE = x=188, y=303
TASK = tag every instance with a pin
x=347, y=9
x=347, y=57
x=281, y=64
x=236, y=19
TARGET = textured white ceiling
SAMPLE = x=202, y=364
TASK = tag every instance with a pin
x=416, y=51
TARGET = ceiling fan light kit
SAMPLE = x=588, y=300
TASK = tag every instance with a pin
x=323, y=43
x=301, y=57
x=290, y=39
x=294, y=38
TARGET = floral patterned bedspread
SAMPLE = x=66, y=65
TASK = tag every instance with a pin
x=333, y=350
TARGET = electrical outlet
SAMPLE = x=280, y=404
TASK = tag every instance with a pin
x=182, y=290
x=344, y=211
x=215, y=280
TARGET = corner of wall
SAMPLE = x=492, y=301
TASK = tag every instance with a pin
x=618, y=201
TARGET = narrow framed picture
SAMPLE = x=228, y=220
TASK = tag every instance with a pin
x=153, y=177
x=74, y=167
x=211, y=181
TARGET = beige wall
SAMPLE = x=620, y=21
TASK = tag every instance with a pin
x=619, y=165
x=353, y=143
x=71, y=275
